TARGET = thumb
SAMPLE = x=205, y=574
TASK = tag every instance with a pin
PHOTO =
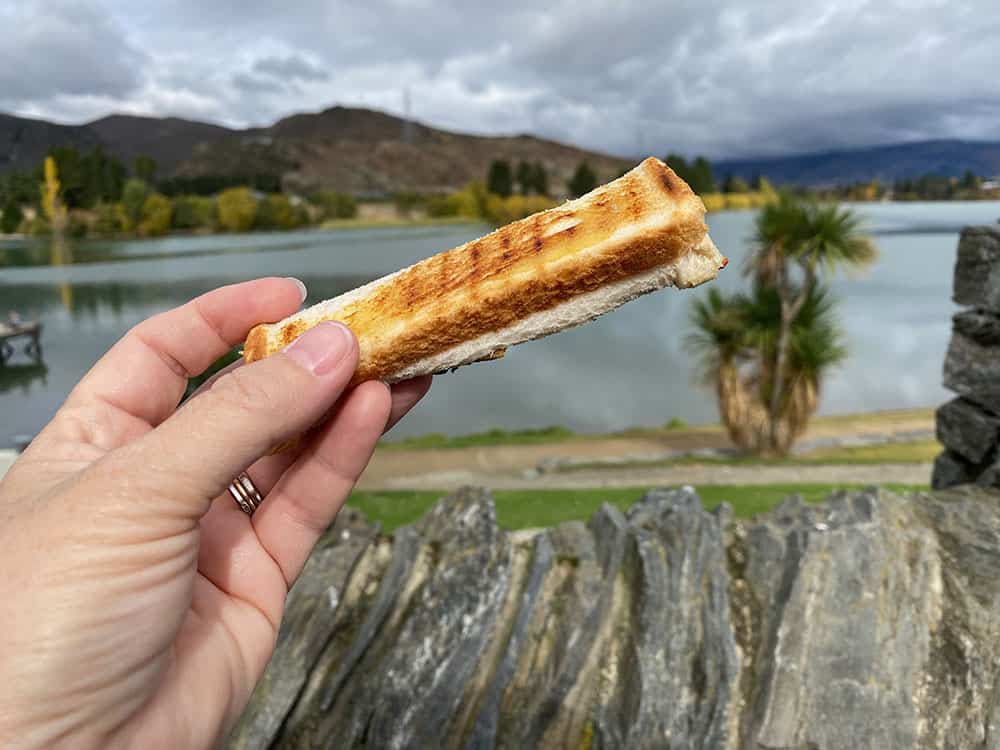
x=248, y=411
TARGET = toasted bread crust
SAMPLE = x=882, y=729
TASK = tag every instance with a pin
x=645, y=219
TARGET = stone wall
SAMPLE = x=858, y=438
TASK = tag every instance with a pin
x=867, y=621
x=969, y=426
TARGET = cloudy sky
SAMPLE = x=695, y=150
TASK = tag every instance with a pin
x=715, y=77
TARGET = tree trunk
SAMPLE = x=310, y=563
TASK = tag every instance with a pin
x=778, y=377
x=790, y=310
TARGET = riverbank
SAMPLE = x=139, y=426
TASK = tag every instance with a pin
x=890, y=446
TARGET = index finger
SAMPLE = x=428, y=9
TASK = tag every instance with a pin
x=146, y=372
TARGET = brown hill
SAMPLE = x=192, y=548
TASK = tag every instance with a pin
x=368, y=152
x=169, y=140
x=355, y=150
x=24, y=142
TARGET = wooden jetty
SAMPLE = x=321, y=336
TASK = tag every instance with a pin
x=9, y=332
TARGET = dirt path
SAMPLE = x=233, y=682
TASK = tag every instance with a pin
x=509, y=466
x=637, y=477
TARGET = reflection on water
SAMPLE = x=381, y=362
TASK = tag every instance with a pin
x=627, y=368
x=62, y=255
x=42, y=251
x=16, y=377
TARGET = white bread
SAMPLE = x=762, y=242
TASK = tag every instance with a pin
x=556, y=269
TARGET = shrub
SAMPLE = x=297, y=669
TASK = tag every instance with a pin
x=335, y=205
x=76, y=226
x=156, y=213
x=194, y=212
x=739, y=201
x=108, y=219
x=471, y=200
x=505, y=210
x=133, y=199
x=440, y=206
x=407, y=202
x=237, y=209
x=39, y=226
x=275, y=212
x=303, y=216
x=714, y=201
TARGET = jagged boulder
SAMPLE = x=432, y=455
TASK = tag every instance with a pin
x=867, y=621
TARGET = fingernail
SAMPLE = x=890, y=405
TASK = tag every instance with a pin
x=302, y=288
x=322, y=347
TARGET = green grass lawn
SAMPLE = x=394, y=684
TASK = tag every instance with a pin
x=525, y=509
x=490, y=437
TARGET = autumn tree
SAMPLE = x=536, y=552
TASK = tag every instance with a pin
x=53, y=207
x=237, y=209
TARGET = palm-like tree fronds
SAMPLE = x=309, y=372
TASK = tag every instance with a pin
x=817, y=342
x=780, y=227
x=719, y=329
x=834, y=240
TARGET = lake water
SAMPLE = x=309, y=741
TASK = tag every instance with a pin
x=627, y=368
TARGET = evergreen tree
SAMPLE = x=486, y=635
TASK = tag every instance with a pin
x=697, y=174
x=72, y=177
x=970, y=181
x=583, y=180
x=540, y=178
x=524, y=175
x=144, y=168
x=702, y=180
x=12, y=215
x=499, y=179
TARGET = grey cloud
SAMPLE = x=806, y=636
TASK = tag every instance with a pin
x=625, y=76
x=65, y=49
x=290, y=68
x=257, y=84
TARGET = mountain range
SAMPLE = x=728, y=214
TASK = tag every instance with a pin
x=354, y=150
x=947, y=158
x=373, y=153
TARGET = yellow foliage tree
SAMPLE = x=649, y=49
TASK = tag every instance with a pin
x=157, y=211
x=237, y=209
x=52, y=204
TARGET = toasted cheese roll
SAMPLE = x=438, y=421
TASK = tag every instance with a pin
x=553, y=270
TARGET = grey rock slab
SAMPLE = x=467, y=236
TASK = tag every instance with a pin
x=306, y=626
x=977, y=268
x=967, y=429
x=980, y=326
x=952, y=470
x=972, y=370
x=676, y=661
x=866, y=621
x=409, y=697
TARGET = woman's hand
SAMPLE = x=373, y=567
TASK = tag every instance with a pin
x=138, y=604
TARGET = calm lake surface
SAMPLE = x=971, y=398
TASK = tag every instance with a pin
x=627, y=368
